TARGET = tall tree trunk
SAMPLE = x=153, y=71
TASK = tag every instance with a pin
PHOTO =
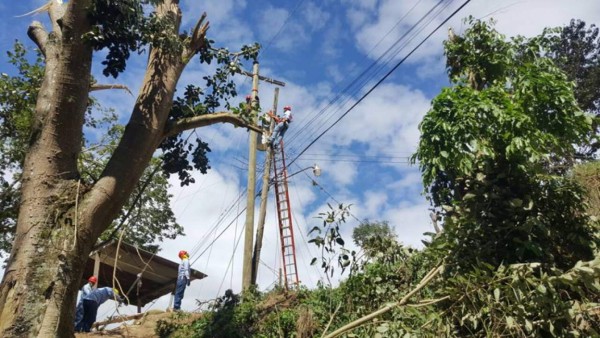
x=60, y=218
x=53, y=239
x=44, y=265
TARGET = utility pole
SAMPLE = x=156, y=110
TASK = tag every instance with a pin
x=264, y=194
x=251, y=187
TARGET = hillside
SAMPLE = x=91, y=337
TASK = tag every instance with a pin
x=144, y=327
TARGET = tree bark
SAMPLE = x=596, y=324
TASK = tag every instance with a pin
x=45, y=262
x=59, y=218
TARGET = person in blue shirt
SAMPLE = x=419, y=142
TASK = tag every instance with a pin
x=85, y=290
x=183, y=278
x=91, y=302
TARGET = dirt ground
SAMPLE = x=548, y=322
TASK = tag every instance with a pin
x=140, y=328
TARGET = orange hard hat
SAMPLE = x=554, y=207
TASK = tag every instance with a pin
x=183, y=253
x=93, y=280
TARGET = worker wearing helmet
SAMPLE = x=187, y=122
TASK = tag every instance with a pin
x=282, y=125
x=248, y=106
x=92, y=302
x=85, y=290
x=183, y=278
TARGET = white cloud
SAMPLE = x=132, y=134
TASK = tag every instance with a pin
x=228, y=24
x=342, y=173
x=410, y=222
x=527, y=18
x=374, y=201
x=387, y=120
x=291, y=33
x=315, y=17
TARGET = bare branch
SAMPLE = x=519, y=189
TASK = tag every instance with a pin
x=177, y=127
x=331, y=319
x=197, y=38
x=96, y=86
x=429, y=302
x=387, y=308
x=56, y=11
x=38, y=35
x=41, y=9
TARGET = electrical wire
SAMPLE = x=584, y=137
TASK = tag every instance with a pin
x=296, y=156
x=381, y=80
x=363, y=77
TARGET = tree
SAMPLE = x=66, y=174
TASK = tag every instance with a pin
x=147, y=214
x=367, y=230
x=576, y=50
x=495, y=151
x=60, y=217
x=490, y=153
x=377, y=240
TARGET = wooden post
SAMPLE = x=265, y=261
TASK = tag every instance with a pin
x=96, y=268
x=264, y=194
x=251, y=188
x=139, y=286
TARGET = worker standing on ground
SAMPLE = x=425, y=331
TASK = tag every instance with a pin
x=183, y=279
x=85, y=290
x=92, y=302
x=282, y=125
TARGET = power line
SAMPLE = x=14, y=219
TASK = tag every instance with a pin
x=352, y=107
x=298, y=4
x=382, y=79
x=356, y=80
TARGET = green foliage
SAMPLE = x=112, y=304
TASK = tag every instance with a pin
x=146, y=216
x=377, y=240
x=576, y=50
x=523, y=300
x=178, y=151
x=588, y=176
x=279, y=323
x=18, y=95
x=116, y=26
x=491, y=152
x=229, y=318
x=330, y=241
x=176, y=326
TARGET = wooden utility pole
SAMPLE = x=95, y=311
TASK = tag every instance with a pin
x=249, y=224
x=264, y=194
x=251, y=188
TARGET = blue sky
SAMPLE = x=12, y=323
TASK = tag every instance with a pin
x=317, y=48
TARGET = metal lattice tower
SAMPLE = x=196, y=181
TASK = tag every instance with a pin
x=284, y=216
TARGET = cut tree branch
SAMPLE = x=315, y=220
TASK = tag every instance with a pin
x=96, y=86
x=198, y=37
x=179, y=126
x=38, y=35
x=331, y=319
x=56, y=11
x=387, y=308
x=44, y=8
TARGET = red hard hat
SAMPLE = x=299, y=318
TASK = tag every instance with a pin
x=287, y=108
x=93, y=280
x=248, y=97
x=183, y=253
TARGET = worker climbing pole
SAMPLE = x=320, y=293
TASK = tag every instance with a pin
x=284, y=216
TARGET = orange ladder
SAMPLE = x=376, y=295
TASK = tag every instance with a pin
x=284, y=216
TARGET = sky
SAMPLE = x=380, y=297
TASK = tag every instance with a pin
x=329, y=53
